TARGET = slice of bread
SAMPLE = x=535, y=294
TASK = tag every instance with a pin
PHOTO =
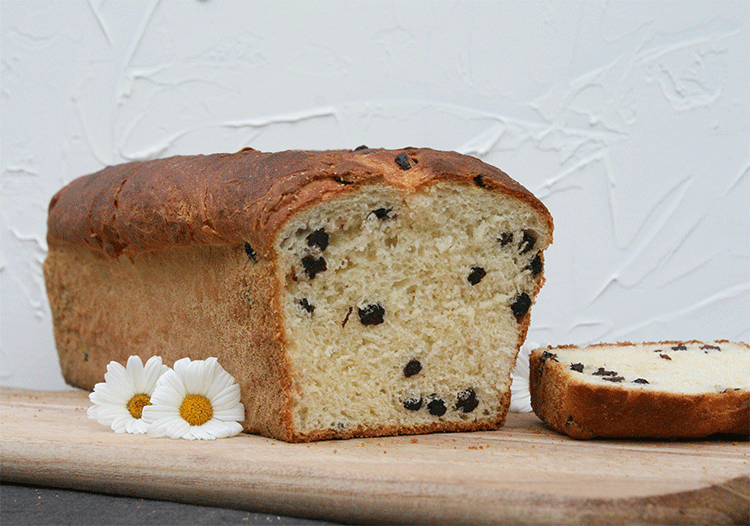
x=350, y=293
x=658, y=390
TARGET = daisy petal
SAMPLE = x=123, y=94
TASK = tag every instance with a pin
x=199, y=375
x=184, y=368
x=118, y=379
x=520, y=401
x=137, y=426
x=169, y=427
x=152, y=371
x=105, y=394
x=152, y=413
x=134, y=368
x=107, y=415
x=222, y=382
x=200, y=433
x=144, y=377
x=223, y=429
x=232, y=414
x=219, y=429
x=227, y=398
x=115, y=372
x=119, y=424
x=169, y=390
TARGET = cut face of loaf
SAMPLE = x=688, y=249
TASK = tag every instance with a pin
x=658, y=390
x=407, y=308
x=357, y=296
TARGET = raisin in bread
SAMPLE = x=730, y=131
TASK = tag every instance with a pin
x=350, y=293
x=656, y=390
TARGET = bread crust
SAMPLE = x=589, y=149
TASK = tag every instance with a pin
x=228, y=199
x=103, y=313
x=583, y=410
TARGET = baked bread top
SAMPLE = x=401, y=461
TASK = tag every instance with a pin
x=247, y=196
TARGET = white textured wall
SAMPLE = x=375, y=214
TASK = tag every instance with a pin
x=630, y=120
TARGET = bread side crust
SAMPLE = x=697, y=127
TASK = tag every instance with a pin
x=584, y=411
x=150, y=304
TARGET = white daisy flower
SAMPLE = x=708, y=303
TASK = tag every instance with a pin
x=118, y=402
x=195, y=400
x=520, y=395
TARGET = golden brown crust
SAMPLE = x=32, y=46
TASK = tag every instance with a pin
x=226, y=199
x=148, y=305
x=584, y=410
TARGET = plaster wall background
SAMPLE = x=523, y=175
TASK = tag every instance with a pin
x=630, y=120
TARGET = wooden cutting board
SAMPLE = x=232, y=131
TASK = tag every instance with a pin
x=523, y=473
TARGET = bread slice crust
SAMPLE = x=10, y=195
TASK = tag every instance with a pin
x=565, y=401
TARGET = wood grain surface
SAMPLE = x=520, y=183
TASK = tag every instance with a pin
x=523, y=473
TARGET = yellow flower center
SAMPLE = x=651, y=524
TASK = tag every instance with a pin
x=196, y=410
x=136, y=404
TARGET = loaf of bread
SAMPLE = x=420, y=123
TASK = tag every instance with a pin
x=650, y=390
x=349, y=293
